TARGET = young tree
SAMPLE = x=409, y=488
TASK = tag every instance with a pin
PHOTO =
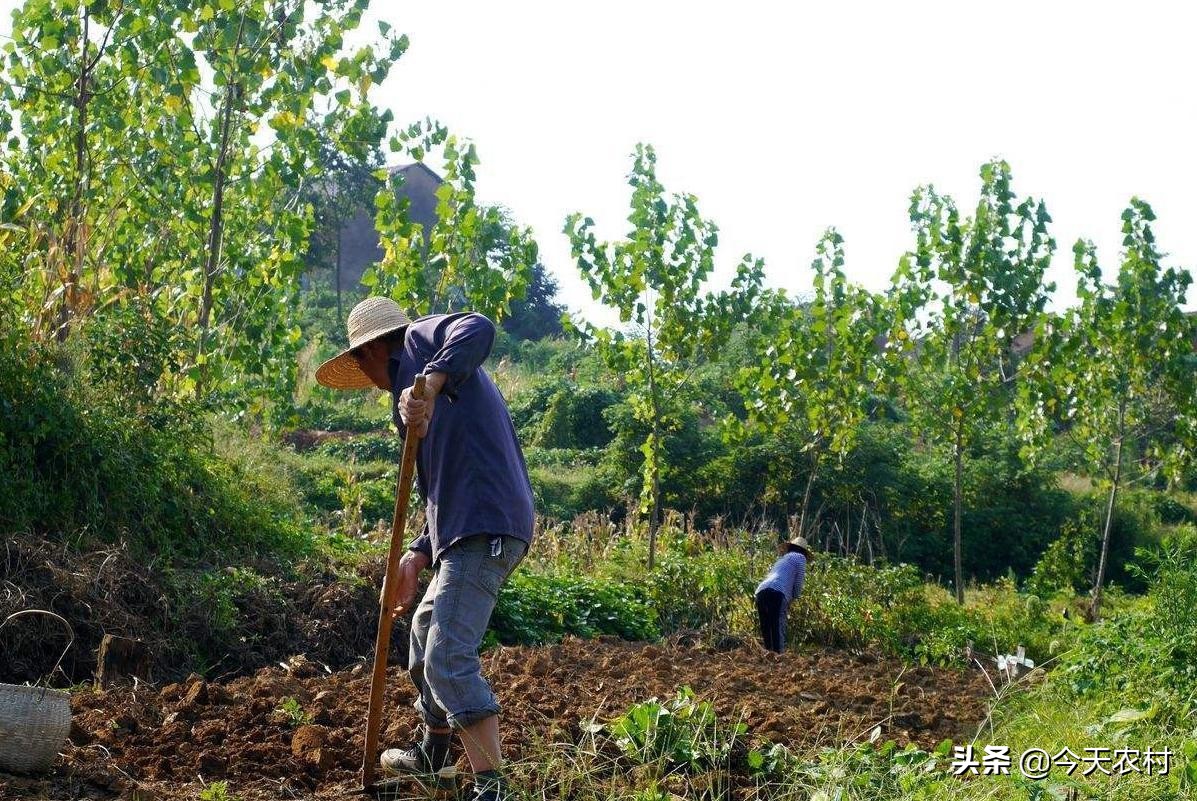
x=960, y=299
x=203, y=119
x=1115, y=373
x=75, y=80
x=654, y=280
x=473, y=257
x=819, y=373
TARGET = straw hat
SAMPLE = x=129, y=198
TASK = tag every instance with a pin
x=369, y=320
x=802, y=545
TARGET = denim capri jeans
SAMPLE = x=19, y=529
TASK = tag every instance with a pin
x=448, y=627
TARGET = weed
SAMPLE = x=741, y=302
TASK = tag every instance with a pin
x=217, y=791
x=294, y=712
x=680, y=733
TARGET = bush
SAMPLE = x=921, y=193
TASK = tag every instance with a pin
x=1011, y=513
x=386, y=447
x=344, y=415
x=84, y=454
x=1171, y=511
x=573, y=418
x=1147, y=653
x=694, y=590
x=563, y=492
x=690, y=444
x=563, y=414
x=1068, y=563
x=848, y=604
x=538, y=608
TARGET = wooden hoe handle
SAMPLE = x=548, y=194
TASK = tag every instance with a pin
x=390, y=589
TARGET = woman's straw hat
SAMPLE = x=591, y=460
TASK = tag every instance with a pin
x=369, y=320
x=800, y=543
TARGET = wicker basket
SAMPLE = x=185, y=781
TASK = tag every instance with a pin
x=34, y=721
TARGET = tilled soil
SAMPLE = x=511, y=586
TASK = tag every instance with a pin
x=168, y=742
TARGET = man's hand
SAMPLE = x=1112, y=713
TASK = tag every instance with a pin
x=419, y=412
x=408, y=579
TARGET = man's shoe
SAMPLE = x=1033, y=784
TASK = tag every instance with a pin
x=490, y=793
x=488, y=786
x=418, y=758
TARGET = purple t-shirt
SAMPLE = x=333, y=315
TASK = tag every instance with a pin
x=469, y=468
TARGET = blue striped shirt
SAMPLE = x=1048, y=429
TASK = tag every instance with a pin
x=787, y=576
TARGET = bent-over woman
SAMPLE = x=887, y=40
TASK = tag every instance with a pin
x=781, y=585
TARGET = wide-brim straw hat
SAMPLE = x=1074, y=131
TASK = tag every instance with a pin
x=802, y=545
x=369, y=320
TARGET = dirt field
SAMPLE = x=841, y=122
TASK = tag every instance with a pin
x=166, y=743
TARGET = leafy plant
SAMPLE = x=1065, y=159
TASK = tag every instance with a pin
x=682, y=732
x=217, y=791
x=536, y=608
x=1068, y=562
x=1146, y=653
x=962, y=297
x=293, y=710
x=1115, y=373
x=653, y=279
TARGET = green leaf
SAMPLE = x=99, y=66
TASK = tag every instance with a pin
x=1128, y=716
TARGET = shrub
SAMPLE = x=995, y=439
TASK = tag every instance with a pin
x=1148, y=652
x=1068, y=563
x=563, y=492
x=563, y=414
x=384, y=447
x=573, y=418
x=537, y=608
x=1171, y=511
x=341, y=415
x=681, y=733
x=849, y=604
x=699, y=589
x=83, y=452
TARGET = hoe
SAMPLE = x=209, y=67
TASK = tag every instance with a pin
x=390, y=590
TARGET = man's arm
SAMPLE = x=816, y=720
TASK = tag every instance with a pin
x=467, y=342
x=411, y=564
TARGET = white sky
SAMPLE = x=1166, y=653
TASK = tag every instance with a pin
x=784, y=118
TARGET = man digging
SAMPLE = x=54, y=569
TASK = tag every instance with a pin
x=473, y=479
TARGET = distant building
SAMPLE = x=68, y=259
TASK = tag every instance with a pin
x=359, y=240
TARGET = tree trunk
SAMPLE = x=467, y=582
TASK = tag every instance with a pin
x=868, y=541
x=75, y=244
x=654, y=516
x=810, y=482
x=1095, y=604
x=957, y=512
x=216, y=225
x=340, y=313
x=121, y=659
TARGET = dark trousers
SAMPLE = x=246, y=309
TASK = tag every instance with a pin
x=771, y=609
